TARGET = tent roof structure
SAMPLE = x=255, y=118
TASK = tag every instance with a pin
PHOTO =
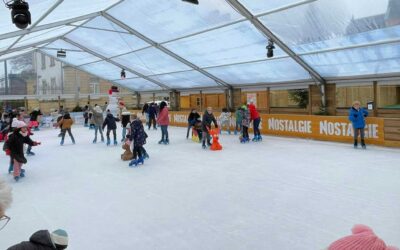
x=172, y=45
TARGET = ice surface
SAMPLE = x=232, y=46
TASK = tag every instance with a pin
x=281, y=194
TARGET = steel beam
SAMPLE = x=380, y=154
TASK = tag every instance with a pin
x=28, y=46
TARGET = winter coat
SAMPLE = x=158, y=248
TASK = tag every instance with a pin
x=152, y=111
x=40, y=240
x=125, y=119
x=239, y=116
x=253, y=112
x=246, y=116
x=138, y=136
x=225, y=116
x=193, y=117
x=145, y=108
x=163, y=118
x=16, y=143
x=357, y=117
x=65, y=123
x=98, y=118
x=110, y=122
x=207, y=120
x=34, y=115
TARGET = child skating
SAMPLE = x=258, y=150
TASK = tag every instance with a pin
x=245, y=114
x=111, y=123
x=66, y=124
x=138, y=139
x=225, y=120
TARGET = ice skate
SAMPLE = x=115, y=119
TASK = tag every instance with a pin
x=161, y=142
x=146, y=155
x=30, y=153
x=16, y=178
x=363, y=144
x=115, y=142
x=62, y=142
x=108, y=142
x=136, y=162
x=166, y=142
x=95, y=140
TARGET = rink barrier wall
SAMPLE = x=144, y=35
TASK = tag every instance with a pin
x=378, y=131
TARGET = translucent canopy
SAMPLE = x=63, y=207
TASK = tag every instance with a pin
x=179, y=45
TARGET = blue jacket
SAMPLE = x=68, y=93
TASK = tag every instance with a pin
x=357, y=117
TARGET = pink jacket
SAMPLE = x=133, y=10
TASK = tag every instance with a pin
x=163, y=118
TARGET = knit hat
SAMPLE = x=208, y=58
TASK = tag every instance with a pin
x=59, y=238
x=98, y=109
x=362, y=238
x=244, y=107
x=19, y=124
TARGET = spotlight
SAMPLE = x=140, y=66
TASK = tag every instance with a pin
x=191, y=1
x=123, y=74
x=61, y=53
x=270, y=48
x=20, y=14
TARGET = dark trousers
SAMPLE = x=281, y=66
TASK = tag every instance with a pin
x=164, y=132
x=245, y=132
x=359, y=131
x=152, y=120
x=63, y=132
x=256, y=124
x=206, y=137
x=138, y=151
x=86, y=120
x=114, y=134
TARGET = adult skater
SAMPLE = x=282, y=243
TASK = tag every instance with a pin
x=255, y=117
x=5, y=202
x=86, y=115
x=125, y=122
x=208, y=118
x=163, y=122
x=192, y=118
x=145, y=112
x=44, y=240
x=111, y=123
x=225, y=120
x=34, y=118
x=152, y=115
x=15, y=148
x=98, y=120
x=66, y=124
x=138, y=138
x=357, y=117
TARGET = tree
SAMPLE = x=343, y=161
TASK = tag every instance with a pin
x=299, y=96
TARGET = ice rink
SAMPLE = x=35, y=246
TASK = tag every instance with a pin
x=280, y=194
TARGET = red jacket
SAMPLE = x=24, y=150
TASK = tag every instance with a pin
x=163, y=118
x=253, y=112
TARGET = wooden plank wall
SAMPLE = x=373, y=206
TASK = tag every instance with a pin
x=392, y=132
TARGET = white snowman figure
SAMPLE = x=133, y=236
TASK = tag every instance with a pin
x=113, y=101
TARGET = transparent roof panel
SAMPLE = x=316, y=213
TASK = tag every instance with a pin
x=15, y=54
x=151, y=61
x=187, y=79
x=166, y=20
x=107, y=43
x=105, y=70
x=72, y=8
x=259, y=7
x=236, y=43
x=75, y=56
x=138, y=84
x=43, y=35
x=5, y=43
x=361, y=61
x=330, y=24
x=277, y=70
x=102, y=23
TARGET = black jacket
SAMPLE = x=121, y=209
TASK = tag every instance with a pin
x=34, y=115
x=16, y=145
x=110, y=122
x=207, y=120
x=125, y=120
x=39, y=241
x=193, y=117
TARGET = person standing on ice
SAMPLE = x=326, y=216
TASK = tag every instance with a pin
x=34, y=118
x=145, y=112
x=225, y=120
x=138, y=138
x=163, y=122
x=193, y=117
x=245, y=114
x=111, y=123
x=255, y=117
x=98, y=120
x=208, y=118
x=357, y=117
x=66, y=124
x=152, y=115
x=125, y=121
x=15, y=148
x=238, y=116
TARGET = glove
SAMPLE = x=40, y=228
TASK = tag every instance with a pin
x=8, y=152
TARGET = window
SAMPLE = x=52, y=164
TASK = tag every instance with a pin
x=44, y=87
x=389, y=95
x=43, y=57
x=53, y=85
x=294, y=98
x=198, y=101
x=346, y=95
x=94, y=85
x=52, y=62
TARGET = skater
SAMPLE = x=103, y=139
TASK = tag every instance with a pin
x=255, y=117
x=44, y=240
x=152, y=115
x=91, y=120
x=15, y=148
x=125, y=121
x=34, y=118
x=245, y=114
x=225, y=120
x=98, y=122
x=192, y=118
x=65, y=124
x=208, y=118
x=362, y=238
x=238, y=116
x=145, y=112
x=86, y=115
x=163, y=121
x=111, y=124
x=5, y=202
x=357, y=117
x=138, y=138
